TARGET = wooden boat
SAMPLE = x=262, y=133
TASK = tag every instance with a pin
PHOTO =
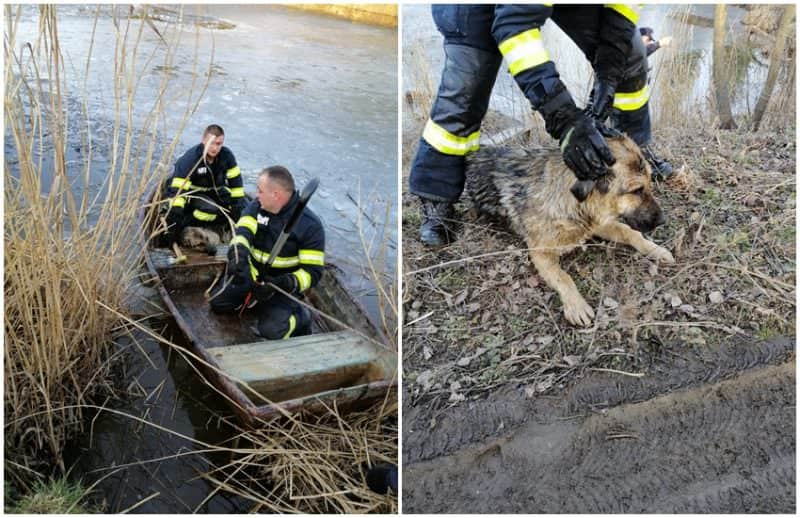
x=346, y=361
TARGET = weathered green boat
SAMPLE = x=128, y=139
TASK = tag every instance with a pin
x=346, y=361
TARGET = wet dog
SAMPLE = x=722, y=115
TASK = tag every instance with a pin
x=199, y=238
x=531, y=189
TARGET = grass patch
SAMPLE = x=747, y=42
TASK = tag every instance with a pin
x=59, y=496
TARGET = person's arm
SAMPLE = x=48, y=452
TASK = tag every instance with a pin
x=312, y=257
x=179, y=183
x=516, y=29
x=616, y=34
x=233, y=177
x=312, y=264
x=242, y=242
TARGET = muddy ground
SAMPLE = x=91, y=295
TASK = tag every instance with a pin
x=681, y=397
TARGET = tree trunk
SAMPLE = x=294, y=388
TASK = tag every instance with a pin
x=775, y=60
x=721, y=81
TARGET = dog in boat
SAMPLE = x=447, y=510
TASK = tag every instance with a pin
x=530, y=188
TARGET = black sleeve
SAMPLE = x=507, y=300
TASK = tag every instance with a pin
x=617, y=29
x=312, y=255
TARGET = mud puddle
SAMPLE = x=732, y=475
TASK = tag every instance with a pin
x=712, y=431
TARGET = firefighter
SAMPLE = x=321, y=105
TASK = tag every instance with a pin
x=476, y=39
x=205, y=181
x=298, y=266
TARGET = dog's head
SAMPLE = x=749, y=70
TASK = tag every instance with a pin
x=626, y=192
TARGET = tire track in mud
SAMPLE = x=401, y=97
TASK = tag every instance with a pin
x=724, y=447
x=481, y=420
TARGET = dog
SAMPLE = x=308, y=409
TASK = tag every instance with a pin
x=200, y=238
x=531, y=189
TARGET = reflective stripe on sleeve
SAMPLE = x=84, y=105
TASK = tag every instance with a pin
x=447, y=143
x=241, y=240
x=524, y=51
x=248, y=222
x=237, y=192
x=178, y=201
x=203, y=216
x=280, y=262
x=631, y=12
x=316, y=257
x=631, y=101
x=181, y=183
x=233, y=172
x=303, y=279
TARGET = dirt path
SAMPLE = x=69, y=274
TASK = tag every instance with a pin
x=703, y=434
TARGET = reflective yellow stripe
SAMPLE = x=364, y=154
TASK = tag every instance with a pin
x=524, y=51
x=248, y=222
x=280, y=262
x=447, y=143
x=292, y=325
x=203, y=216
x=631, y=101
x=179, y=201
x=303, y=279
x=312, y=257
x=233, y=172
x=237, y=192
x=241, y=240
x=181, y=183
x=631, y=12
x=253, y=271
x=184, y=185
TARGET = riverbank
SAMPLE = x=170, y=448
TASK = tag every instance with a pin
x=384, y=15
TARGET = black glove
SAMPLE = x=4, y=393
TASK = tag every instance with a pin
x=263, y=291
x=224, y=197
x=239, y=265
x=237, y=207
x=287, y=282
x=584, y=149
x=601, y=100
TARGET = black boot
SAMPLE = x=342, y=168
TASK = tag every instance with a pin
x=661, y=168
x=437, y=224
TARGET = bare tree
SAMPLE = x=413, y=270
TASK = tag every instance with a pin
x=721, y=80
x=775, y=60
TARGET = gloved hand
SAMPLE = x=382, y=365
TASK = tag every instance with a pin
x=225, y=199
x=239, y=265
x=237, y=207
x=287, y=282
x=584, y=149
x=263, y=291
x=601, y=100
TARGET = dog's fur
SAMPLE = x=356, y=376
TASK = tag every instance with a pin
x=199, y=238
x=531, y=189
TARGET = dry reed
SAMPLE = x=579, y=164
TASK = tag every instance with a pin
x=59, y=260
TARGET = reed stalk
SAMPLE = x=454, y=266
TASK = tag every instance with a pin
x=68, y=246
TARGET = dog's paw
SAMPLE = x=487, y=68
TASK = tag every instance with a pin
x=578, y=312
x=659, y=253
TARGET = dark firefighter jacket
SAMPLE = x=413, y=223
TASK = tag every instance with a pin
x=303, y=254
x=516, y=29
x=192, y=174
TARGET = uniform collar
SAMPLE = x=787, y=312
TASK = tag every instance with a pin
x=287, y=209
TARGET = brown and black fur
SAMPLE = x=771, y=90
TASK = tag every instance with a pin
x=531, y=189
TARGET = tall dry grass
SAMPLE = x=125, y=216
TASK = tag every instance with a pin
x=69, y=249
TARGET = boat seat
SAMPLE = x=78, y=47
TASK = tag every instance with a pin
x=287, y=369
